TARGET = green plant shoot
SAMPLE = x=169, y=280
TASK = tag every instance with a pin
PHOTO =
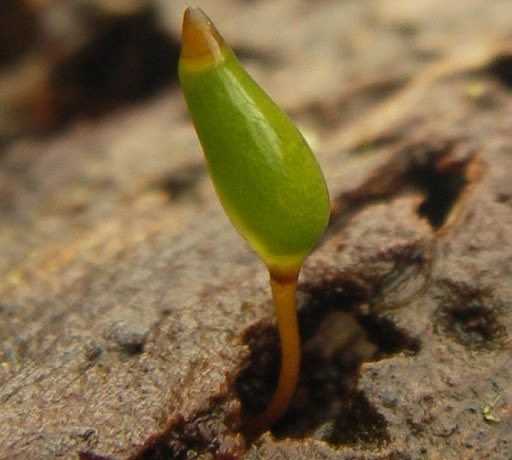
x=265, y=175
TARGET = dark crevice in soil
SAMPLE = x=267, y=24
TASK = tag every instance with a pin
x=359, y=424
x=421, y=167
x=387, y=337
x=183, y=437
x=336, y=339
x=211, y=434
x=440, y=172
x=471, y=323
x=91, y=456
x=442, y=188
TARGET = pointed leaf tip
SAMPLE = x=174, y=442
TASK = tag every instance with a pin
x=200, y=39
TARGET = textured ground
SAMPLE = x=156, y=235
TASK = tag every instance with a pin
x=134, y=321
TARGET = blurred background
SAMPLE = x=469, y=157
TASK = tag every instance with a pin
x=65, y=60
x=93, y=126
x=107, y=216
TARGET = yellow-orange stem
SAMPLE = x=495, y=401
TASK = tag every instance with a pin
x=283, y=293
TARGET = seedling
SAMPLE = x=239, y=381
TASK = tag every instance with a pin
x=265, y=175
x=487, y=411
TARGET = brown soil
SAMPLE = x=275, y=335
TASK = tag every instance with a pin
x=134, y=321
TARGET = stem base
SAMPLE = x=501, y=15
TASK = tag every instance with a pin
x=283, y=293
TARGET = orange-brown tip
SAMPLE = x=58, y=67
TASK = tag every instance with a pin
x=199, y=38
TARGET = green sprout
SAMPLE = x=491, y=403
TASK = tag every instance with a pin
x=486, y=411
x=265, y=175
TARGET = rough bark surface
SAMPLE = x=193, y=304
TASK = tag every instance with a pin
x=136, y=324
